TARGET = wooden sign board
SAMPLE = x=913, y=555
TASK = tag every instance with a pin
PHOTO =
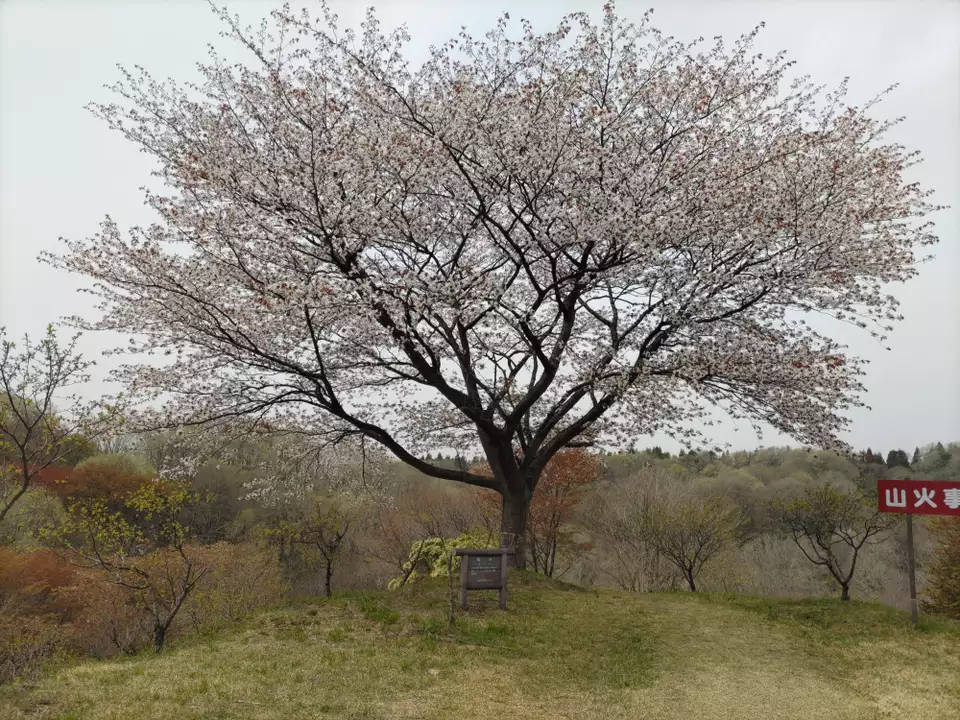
x=483, y=569
x=483, y=572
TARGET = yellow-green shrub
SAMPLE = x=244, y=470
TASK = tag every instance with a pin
x=240, y=579
x=430, y=557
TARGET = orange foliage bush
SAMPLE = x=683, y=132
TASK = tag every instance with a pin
x=100, y=482
x=46, y=596
x=32, y=611
x=52, y=478
x=30, y=583
x=26, y=642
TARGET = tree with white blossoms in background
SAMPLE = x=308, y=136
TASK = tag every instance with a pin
x=519, y=246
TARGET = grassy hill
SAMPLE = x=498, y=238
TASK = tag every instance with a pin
x=559, y=652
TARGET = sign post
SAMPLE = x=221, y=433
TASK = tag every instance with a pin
x=911, y=568
x=917, y=497
x=483, y=569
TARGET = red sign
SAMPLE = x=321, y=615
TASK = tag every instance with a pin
x=919, y=497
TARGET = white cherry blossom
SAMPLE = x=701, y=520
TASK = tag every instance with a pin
x=523, y=244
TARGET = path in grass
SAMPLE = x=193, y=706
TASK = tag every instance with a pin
x=558, y=653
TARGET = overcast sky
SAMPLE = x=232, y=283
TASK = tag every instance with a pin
x=61, y=170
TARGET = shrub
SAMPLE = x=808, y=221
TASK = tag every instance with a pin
x=30, y=583
x=430, y=557
x=32, y=610
x=240, y=579
x=92, y=480
x=107, y=619
x=26, y=643
x=944, y=586
x=88, y=614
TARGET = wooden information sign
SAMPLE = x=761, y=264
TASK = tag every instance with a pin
x=917, y=497
x=483, y=569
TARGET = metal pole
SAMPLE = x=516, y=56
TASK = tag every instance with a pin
x=912, y=570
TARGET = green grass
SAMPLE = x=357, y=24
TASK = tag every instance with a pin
x=559, y=652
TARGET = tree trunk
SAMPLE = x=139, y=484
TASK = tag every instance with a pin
x=845, y=592
x=159, y=635
x=328, y=579
x=690, y=581
x=513, y=524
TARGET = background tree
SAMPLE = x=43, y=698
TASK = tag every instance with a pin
x=939, y=456
x=562, y=486
x=323, y=529
x=618, y=518
x=149, y=555
x=592, y=233
x=897, y=458
x=915, y=462
x=41, y=424
x=691, y=528
x=831, y=527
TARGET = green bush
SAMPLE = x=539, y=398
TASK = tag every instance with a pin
x=431, y=557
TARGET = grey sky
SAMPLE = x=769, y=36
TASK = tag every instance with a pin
x=61, y=169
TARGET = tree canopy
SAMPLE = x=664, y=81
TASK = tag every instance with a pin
x=519, y=246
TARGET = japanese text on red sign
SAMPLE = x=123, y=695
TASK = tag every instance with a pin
x=923, y=497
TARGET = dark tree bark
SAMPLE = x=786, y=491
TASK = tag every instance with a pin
x=159, y=636
x=328, y=579
x=513, y=525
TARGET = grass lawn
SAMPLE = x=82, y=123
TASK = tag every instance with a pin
x=559, y=652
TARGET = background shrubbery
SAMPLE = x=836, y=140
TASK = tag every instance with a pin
x=631, y=521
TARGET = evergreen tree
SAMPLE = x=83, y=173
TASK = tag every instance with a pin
x=877, y=458
x=897, y=458
x=941, y=456
x=916, y=457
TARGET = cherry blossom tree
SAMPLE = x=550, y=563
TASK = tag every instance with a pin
x=524, y=244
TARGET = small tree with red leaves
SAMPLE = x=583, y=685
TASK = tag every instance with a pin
x=560, y=490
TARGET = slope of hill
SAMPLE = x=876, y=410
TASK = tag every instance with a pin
x=559, y=652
